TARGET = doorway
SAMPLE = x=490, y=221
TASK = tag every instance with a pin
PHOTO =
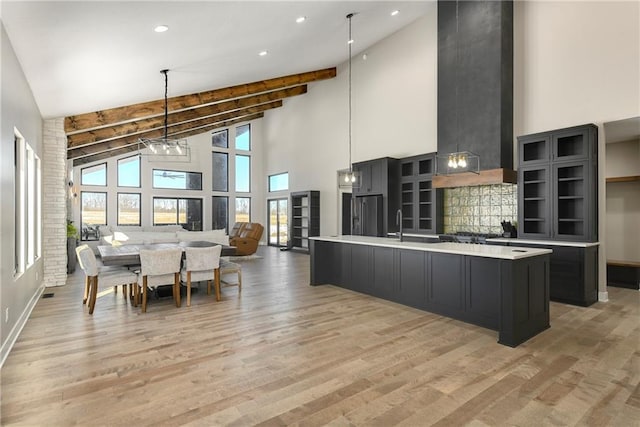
x=278, y=224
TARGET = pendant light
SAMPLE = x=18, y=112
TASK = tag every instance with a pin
x=164, y=148
x=349, y=178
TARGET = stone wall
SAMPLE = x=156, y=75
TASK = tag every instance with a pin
x=480, y=209
x=54, y=202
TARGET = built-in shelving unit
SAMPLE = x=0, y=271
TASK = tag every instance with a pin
x=420, y=200
x=634, y=178
x=558, y=177
x=305, y=219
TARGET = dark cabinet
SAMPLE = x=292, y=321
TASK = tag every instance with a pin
x=573, y=277
x=305, y=219
x=421, y=204
x=381, y=177
x=557, y=176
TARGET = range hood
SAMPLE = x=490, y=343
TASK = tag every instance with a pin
x=475, y=89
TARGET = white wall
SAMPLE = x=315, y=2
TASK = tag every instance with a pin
x=623, y=202
x=394, y=114
x=576, y=63
x=19, y=110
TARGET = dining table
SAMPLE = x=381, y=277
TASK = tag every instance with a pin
x=129, y=255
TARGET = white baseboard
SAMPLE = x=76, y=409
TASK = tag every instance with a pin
x=603, y=296
x=17, y=328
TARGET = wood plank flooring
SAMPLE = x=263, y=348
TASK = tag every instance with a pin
x=286, y=353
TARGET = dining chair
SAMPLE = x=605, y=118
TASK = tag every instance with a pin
x=159, y=267
x=228, y=267
x=202, y=264
x=95, y=276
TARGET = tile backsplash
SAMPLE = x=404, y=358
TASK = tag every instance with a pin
x=480, y=209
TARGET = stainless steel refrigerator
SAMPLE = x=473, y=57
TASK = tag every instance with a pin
x=367, y=216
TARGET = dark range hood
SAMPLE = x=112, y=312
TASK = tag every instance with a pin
x=475, y=88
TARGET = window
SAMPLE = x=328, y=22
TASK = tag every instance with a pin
x=129, y=209
x=243, y=173
x=243, y=209
x=220, y=139
x=94, y=175
x=220, y=213
x=27, y=205
x=177, y=180
x=129, y=172
x=93, y=213
x=18, y=200
x=243, y=137
x=279, y=182
x=220, y=171
x=184, y=211
x=234, y=159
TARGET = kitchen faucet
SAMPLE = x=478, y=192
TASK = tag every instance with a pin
x=399, y=224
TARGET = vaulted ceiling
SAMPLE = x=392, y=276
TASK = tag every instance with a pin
x=101, y=134
x=97, y=63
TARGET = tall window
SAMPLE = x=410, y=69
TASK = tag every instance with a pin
x=234, y=157
x=220, y=212
x=243, y=209
x=243, y=137
x=94, y=175
x=93, y=212
x=129, y=209
x=27, y=205
x=220, y=171
x=129, y=172
x=243, y=173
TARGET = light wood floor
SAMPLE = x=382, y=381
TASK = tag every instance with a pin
x=285, y=353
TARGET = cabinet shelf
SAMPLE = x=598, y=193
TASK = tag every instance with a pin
x=305, y=219
x=623, y=179
x=537, y=181
x=533, y=199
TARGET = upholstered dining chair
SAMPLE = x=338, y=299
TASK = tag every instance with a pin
x=95, y=275
x=159, y=267
x=202, y=264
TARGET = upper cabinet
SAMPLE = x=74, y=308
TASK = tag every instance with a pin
x=558, y=191
x=421, y=204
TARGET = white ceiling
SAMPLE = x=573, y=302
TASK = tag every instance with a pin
x=86, y=56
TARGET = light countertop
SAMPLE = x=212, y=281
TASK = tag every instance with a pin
x=486, y=251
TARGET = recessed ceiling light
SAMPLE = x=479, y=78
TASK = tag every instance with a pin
x=301, y=19
x=263, y=53
x=161, y=28
x=395, y=12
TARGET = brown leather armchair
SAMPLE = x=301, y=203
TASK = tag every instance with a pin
x=245, y=236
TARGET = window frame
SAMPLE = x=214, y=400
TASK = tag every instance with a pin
x=139, y=171
x=177, y=200
x=277, y=175
x=249, y=172
x=235, y=210
x=106, y=210
x=213, y=184
x=118, y=207
x=106, y=175
x=220, y=132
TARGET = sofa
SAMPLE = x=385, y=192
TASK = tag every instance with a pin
x=245, y=236
x=145, y=235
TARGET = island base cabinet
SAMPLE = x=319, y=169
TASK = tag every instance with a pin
x=510, y=296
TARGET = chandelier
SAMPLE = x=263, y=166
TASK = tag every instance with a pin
x=348, y=178
x=165, y=149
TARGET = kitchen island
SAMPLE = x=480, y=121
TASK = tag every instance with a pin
x=497, y=287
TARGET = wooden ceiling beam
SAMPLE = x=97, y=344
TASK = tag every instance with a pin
x=138, y=126
x=134, y=146
x=99, y=147
x=111, y=116
x=102, y=135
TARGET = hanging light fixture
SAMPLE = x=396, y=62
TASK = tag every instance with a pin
x=349, y=178
x=165, y=149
